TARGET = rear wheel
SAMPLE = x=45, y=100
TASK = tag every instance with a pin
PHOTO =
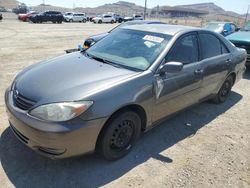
x=224, y=91
x=112, y=21
x=84, y=20
x=120, y=135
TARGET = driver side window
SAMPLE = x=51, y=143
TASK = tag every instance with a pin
x=185, y=50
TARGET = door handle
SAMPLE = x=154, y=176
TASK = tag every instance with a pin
x=198, y=71
x=228, y=62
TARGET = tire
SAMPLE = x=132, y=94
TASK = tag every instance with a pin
x=119, y=135
x=120, y=20
x=224, y=91
x=100, y=21
x=112, y=22
x=84, y=21
x=70, y=20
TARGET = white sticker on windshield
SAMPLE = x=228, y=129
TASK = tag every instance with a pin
x=153, y=38
x=149, y=44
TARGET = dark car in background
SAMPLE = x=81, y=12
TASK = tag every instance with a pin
x=95, y=38
x=1, y=16
x=241, y=39
x=224, y=28
x=48, y=16
x=102, y=99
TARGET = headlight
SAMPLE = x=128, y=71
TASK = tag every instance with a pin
x=60, y=111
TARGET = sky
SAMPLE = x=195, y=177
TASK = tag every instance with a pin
x=239, y=6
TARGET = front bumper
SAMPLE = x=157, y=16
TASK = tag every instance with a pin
x=53, y=140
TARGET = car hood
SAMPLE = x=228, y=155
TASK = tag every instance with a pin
x=68, y=78
x=98, y=37
x=241, y=36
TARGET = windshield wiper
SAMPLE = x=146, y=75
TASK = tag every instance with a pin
x=103, y=60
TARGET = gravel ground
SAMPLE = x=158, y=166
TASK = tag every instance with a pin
x=204, y=146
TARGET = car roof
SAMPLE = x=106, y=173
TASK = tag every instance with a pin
x=161, y=28
x=144, y=22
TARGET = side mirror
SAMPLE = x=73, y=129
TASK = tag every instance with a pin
x=171, y=67
x=88, y=43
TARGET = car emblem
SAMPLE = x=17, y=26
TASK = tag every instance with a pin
x=16, y=93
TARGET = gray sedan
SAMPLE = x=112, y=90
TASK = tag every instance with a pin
x=104, y=98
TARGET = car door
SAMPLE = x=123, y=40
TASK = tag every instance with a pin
x=174, y=92
x=215, y=64
x=107, y=19
x=45, y=17
x=79, y=17
x=50, y=16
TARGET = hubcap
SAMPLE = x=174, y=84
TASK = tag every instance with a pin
x=122, y=135
x=225, y=89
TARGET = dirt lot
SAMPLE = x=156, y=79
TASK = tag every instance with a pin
x=205, y=146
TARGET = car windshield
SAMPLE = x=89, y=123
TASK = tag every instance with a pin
x=125, y=24
x=131, y=49
x=246, y=27
x=214, y=26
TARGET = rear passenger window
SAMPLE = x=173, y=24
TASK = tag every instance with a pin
x=210, y=46
x=185, y=50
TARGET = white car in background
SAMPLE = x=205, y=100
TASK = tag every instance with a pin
x=75, y=17
x=105, y=18
x=134, y=17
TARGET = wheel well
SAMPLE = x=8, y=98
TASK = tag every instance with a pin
x=135, y=108
x=234, y=76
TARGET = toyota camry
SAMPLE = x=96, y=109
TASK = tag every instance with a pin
x=103, y=98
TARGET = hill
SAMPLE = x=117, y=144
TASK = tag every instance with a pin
x=121, y=7
x=211, y=8
x=8, y=4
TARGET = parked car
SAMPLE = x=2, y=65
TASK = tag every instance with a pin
x=95, y=38
x=91, y=18
x=241, y=39
x=48, y=16
x=224, y=28
x=25, y=17
x=104, y=98
x=134, y=17
x=118, y=18
x=75, y=17
x=105, y=18
x=1, y=16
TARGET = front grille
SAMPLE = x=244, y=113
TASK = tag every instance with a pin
x=22, y=102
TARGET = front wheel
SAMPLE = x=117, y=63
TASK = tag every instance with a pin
x=112, y=21
x=120, y=135
x=224, y=91
x=100, y=21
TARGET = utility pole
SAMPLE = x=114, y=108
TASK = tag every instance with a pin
x=43, y=5
x=247, y=13
x=145, y=10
